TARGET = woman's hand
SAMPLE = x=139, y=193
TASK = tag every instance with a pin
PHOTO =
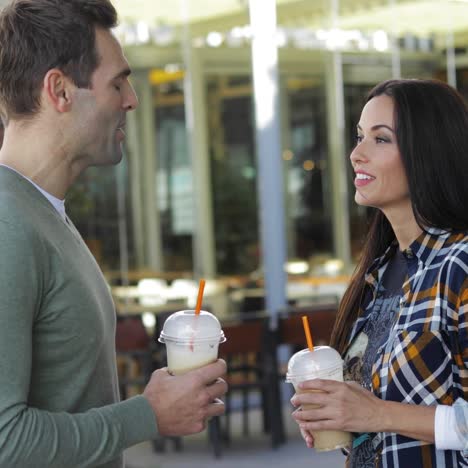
x=340, y=406
x=308, y=437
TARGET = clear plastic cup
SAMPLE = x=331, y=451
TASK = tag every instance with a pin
x=321, y=363
x=191, y=340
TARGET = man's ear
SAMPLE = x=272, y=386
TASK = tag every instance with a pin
x=58, y=90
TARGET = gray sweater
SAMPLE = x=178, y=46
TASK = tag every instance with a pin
x=59, y=403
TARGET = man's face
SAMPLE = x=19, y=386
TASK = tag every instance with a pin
x=100, y=112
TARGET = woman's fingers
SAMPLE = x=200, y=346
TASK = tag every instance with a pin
x=310, y=398
x=308, y=437
x=330, y=405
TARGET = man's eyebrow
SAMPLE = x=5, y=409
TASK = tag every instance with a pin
x=377, y=127
x=122, y=74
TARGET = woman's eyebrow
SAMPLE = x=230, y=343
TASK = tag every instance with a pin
x=377, y=127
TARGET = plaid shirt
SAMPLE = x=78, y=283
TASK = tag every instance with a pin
x=425, y=360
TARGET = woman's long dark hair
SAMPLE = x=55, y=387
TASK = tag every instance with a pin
x=431, y=122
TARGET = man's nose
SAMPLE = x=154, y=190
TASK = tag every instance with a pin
x=131, y=102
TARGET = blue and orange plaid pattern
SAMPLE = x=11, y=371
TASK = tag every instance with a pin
x=425, y=360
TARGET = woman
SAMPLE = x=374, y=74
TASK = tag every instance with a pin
x=402, y=326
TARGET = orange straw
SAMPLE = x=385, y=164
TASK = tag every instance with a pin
x=200, y=296
x=305, y=322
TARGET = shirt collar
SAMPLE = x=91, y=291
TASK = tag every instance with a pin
x=428, y=244
x=425, y=247
x=57, y=203
x=372, y=275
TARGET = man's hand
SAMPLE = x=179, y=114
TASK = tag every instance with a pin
x=183, y=403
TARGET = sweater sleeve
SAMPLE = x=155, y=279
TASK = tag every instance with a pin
x=33, y=437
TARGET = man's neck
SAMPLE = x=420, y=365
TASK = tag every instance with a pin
x=38, y=158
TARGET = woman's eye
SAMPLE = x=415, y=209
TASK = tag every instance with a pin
x=381, y=140
x=358, y=138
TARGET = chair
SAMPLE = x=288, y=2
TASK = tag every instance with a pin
x=137, y=356
x=134, y=364
x=159, y=359
x=321, y=319
x=252, y=302
x=250, y=353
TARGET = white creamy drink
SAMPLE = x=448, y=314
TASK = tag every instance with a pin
x=322, y=362
x=191, y=340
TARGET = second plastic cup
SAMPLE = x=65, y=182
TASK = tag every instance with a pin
x=191, y=340
x=322, y=362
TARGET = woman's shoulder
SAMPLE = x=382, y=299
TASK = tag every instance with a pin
x=456, y=247
x=453, y=261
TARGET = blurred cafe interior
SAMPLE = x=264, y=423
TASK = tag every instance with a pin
x=236, y=164
x=187, y=200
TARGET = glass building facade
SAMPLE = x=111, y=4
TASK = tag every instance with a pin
x=185, y=199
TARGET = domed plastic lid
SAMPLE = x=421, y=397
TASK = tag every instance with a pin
x=185, y=325
x=306, y=363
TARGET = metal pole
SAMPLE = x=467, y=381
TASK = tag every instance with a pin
x=337, y=159
x=197, y=134
x=270, y=167
x=122, y=222
x=151, y=212
x=451, y=65
x=396, y=59
x=134, y=167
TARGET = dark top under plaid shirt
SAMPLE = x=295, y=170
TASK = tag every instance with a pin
x=425, y=360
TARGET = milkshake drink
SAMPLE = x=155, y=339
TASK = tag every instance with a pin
x=191, y=340
x=325, y=363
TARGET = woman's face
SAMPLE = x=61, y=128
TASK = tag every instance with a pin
x=380, y=177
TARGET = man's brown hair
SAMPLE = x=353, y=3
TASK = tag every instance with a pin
x=38, y=35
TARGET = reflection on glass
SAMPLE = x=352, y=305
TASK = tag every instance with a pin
x=92, y=206
x=234, y=175
x=306, y=166
x=174, y=181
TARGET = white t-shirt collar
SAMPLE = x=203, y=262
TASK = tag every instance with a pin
x=58, y=204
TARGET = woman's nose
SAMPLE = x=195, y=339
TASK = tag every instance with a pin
x=357, y=155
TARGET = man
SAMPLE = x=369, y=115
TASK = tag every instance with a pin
x=64, y=95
